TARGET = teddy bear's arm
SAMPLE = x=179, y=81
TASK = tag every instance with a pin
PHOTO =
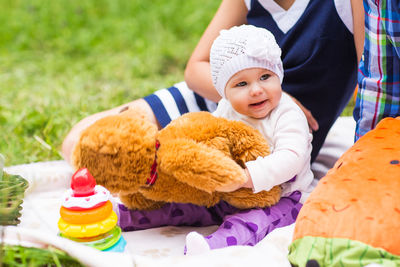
x=200, y=166
x=246, y=142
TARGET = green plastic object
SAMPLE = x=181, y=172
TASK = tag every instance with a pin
x=12, y=190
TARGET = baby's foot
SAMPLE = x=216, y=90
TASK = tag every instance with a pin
x=196, y=244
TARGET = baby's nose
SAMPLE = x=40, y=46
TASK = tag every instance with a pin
x=255, y=89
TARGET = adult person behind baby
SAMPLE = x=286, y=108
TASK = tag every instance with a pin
x=318, y=53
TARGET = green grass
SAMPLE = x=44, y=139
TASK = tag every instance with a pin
x=63, y=60
x=18, y=256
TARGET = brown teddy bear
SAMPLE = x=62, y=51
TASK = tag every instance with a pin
x=196, y=159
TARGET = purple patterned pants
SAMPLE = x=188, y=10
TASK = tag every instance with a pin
x=237, y=227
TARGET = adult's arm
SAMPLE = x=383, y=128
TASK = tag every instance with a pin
x=197, y=73
x=72, y=137
x=358, y=26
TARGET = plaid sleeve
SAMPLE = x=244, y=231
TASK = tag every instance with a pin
x=379, y=70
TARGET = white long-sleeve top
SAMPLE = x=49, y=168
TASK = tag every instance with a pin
x=286, y=130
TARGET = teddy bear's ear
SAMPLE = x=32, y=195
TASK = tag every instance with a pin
x=116, y=149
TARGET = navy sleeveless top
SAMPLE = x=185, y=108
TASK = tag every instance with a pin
x=319, y=61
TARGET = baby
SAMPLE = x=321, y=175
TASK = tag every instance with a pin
x=247, y=71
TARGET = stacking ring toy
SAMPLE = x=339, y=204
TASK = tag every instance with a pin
x=88, y=230
x=85, y=202
x=86, y=216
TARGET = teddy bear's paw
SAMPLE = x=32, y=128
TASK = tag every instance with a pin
x=196, y=244
x=138, y=201
x=171, y=190
x=244, y=198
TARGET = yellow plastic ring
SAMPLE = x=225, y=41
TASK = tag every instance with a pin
x=101, y=242
x=88, y=230
x=86, y=216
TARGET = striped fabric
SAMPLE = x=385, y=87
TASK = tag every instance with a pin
x=379, y=71
x=170, y=103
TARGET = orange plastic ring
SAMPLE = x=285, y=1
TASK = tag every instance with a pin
x=86, y=216
x=88, y=230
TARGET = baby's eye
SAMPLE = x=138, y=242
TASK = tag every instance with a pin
x=241, y=84
x=264, y=77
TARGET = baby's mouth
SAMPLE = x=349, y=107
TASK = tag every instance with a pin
x=258, y=103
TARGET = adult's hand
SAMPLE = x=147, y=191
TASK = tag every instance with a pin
x=312, y=122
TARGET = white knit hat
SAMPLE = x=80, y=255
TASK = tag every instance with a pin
x=243, y=47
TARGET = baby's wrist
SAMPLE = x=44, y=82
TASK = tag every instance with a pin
x=249, y=182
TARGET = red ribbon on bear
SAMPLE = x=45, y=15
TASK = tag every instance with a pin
x=153, y=173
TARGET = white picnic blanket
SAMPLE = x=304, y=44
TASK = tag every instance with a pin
x=154, y=247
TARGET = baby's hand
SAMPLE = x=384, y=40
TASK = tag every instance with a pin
x=233, y=187
x=249, y=183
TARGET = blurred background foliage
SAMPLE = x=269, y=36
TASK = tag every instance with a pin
x=63, y=60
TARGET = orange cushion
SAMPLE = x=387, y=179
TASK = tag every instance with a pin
x=359, y=198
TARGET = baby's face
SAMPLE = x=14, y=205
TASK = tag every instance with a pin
x=254, y=92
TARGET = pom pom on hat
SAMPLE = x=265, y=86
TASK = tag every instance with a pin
x=243, y=47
